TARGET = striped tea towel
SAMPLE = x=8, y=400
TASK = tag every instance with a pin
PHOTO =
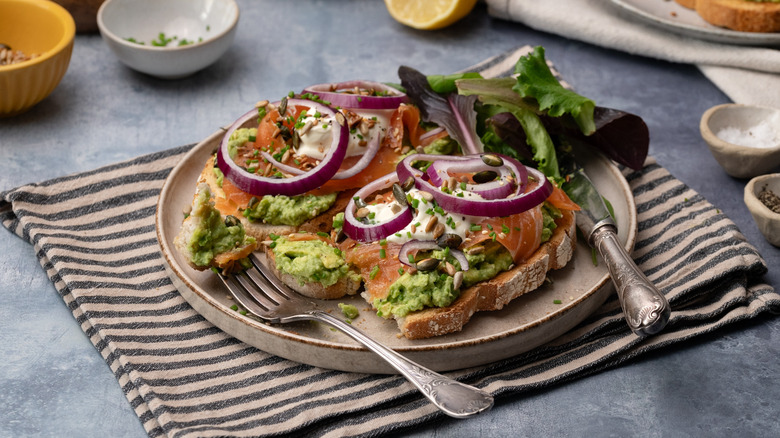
x=95, y=235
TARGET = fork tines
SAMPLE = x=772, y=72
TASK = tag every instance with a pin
x=258, y=289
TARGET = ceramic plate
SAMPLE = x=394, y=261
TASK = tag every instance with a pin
x=527, y=322
x=672, y=16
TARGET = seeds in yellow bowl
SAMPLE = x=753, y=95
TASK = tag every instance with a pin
x=429, y=14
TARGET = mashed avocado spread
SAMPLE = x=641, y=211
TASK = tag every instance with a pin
x=238, y=138
x=416, y=291
x=412, y=292
x=212, y=236
x=311, y=261
x=288, y=210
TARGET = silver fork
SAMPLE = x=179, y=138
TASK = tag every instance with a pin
x=265, y=296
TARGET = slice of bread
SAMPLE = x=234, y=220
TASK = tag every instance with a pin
x=741, y=15
x=261, y=231
x=345, y=286
x=225, y=260
x=494, y=294
x=690, y=4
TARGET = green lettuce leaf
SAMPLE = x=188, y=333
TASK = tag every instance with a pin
x=499, y=92
x=535, y=80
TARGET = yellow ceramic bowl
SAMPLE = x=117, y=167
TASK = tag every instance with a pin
x=35, y=27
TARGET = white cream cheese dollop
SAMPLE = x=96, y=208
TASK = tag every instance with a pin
x=316, y=139
x=416, y=229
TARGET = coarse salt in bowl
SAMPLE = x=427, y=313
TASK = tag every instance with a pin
x=743, y=139
x=168, y=39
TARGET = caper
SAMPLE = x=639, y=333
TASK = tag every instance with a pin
x=492, y=160
x=484, y=176
x=360, y=203
x=231, y=221
x=252, y=202
x=400, y=195
x=408, y=184
x=449, y=240
x=428, y=264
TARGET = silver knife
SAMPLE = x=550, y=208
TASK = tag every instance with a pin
x=646, y=309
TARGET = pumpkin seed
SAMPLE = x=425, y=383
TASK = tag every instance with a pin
x=492, y=160
x=283, y=107
x=400, y=195
x=449, y=240
x=428, y=264
x=408, y=184
x=231, y=221
x=484, y=176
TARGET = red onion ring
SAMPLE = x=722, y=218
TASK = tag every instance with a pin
x=261, y=185
x=517, y=202
x=501, y=188
x=415, y=245
x=364, y=161
x=431, y=133
x=361, y=232
x=345, y=100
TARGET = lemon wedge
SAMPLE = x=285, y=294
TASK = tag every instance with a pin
x=429, y=14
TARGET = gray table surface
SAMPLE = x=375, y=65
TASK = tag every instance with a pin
x=54, y=383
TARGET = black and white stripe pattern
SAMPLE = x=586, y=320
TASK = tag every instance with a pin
x=94, y=234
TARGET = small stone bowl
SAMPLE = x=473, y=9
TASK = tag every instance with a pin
x=742, y=160
x=767, y=220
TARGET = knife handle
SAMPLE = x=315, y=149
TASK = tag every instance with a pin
x=647, y=310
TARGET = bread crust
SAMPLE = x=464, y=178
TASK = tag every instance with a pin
x=741, y=15
x=497, y=292
x=690, y=4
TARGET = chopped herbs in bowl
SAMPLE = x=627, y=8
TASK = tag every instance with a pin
x=170, y=39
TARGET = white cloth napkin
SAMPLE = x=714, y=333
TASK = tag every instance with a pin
x=749, y=75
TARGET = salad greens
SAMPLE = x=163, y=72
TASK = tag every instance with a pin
x=452, y=111
x=537, y=81
x=531, y=117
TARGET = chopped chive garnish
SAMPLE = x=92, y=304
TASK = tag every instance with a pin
x=382, y=253
x=374, y=272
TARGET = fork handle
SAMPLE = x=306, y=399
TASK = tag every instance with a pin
x=455, y=399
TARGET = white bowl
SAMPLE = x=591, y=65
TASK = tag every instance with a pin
x=742, y=160
x=768, y=221
x=208, y=25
